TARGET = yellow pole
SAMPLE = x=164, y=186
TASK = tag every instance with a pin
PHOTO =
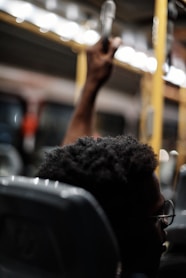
x=181, y=143
x=159, y=41
x=81, y=71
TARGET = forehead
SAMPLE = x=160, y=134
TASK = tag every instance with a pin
x=150, y=199
x=159, y=202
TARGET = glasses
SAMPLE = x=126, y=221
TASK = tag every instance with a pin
x=168, y=213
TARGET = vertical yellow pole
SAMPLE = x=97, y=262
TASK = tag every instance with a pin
x=181, y=143
x=81, y=71
x=159, y=40
x=146, y=96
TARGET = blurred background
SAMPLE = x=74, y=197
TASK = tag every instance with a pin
x=42, y=70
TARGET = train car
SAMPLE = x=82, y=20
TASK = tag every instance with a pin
x=38, y=84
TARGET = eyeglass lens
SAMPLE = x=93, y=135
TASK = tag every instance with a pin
x=169, y=211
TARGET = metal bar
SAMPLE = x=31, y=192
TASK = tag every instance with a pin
x=159, y=41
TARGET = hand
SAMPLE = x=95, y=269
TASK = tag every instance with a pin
x=99, y=63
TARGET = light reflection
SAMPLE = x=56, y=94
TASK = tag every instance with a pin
x=36, y=181
x=15, y=118
x=45, y=20
x=151, y=64
x=43, y=30
x=91, y=37
x=79, y=38
x=125, y=54
x=19, y=9
x=68, y=30
x=56, y=184
x=163, y=156
x=19, y=20
x=46, y=182
x=176, y=76
x=139, y=60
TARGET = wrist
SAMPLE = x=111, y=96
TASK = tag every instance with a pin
x=90, y=90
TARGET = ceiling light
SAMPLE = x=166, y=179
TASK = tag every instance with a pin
x=19, y=9
x=67, y=29
x=151, y=64
x=139, y=60
x=44, y=20
x=125, y=54
x=176, y=76
x=79, y=38
x=91, y=37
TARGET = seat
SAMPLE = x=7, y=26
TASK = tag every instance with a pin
x=177, y=231
x=10, y=160
x=50, y=229
x=167, y=175
x=173, y=262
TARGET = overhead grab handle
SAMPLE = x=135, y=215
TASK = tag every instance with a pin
x=107, y=16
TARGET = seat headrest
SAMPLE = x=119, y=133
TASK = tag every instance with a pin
x=50, y=229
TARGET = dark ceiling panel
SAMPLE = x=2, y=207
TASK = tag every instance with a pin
x=28, y=50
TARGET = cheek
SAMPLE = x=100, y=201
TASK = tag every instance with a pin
x=145, y=237
x=149, y=236
x=153, y=240
x=154, y=230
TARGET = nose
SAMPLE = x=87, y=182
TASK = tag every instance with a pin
x=164, y=223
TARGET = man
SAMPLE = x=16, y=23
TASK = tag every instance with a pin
x=119, y=172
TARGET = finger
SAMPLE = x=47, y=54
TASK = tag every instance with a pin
x=99, y=45
x=95, y=47
x=115, y=43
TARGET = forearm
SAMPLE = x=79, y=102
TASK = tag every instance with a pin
x=82, y=122
x=98, y=71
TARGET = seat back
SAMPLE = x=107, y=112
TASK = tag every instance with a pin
x=50, y=229
x=177, y=231
x=173, y=262
x=181, y=189
x=10, y=160
x=167, y=175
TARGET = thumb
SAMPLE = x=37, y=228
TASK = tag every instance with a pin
x=115, y=43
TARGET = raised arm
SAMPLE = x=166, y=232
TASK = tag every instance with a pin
x=99, y=68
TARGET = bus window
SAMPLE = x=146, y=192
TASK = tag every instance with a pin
x=54, y=119
x=170, y=125
x=109, y=124
x=12, y=110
